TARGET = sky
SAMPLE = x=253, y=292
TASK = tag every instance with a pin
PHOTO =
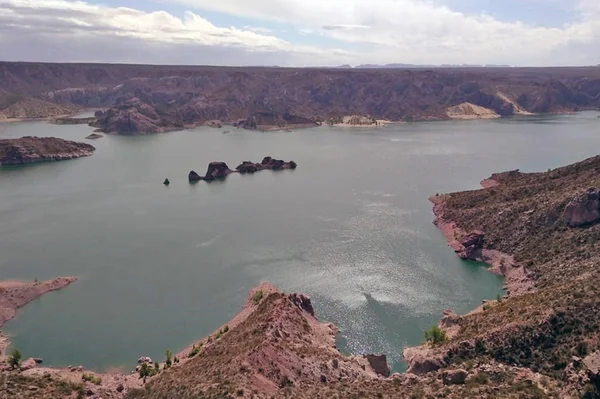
x=302, y=32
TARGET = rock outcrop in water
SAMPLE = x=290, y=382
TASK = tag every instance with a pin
x=220, y=170
x=28, y=150
x=267, y=163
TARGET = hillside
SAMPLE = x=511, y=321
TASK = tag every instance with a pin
x=158, y=98
x=542, y=231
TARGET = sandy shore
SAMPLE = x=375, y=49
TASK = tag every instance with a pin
x=468, y=111
x=380, y=123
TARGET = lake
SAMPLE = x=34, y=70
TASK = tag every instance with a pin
x=161, y=266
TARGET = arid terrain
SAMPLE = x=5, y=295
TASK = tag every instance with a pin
x=149, y=99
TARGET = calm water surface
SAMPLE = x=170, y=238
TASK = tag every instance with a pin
x=162, y=266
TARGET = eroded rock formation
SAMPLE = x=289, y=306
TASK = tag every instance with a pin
x=584, y=209
x=220, y=170
x=28, y=150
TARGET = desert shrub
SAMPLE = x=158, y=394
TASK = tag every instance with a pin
x=168, y=360
x=14, y=360
x=92, y=378
x=144, y=370
x=582, y=349
x=435, y=336
x=257, y=297
x=195, y=350
x=478, y=379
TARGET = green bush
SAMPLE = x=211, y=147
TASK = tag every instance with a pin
x=257, y=297
x=92, y=378
x=14, y=360
x=144, y=370
x=195, y=351
x=478, y=379
x=168, y=361
x=435, y=336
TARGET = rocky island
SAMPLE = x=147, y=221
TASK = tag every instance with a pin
x=28, y=150
x=220, y=170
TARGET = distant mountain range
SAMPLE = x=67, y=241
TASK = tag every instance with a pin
x=404, y=66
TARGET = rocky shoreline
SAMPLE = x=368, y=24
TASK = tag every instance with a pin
x=471, y=246
x=27, y=150
x=142, y=99
x=16, y=294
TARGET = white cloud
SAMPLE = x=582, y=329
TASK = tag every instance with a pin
x=382, y=31
x=71, y=24
x=420, y=31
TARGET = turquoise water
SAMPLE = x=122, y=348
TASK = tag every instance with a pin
x=162, y=266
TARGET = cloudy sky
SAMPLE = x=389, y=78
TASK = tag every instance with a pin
x=303, y=32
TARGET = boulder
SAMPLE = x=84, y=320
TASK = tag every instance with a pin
x=379, y=364
x=217, y=170
x=454, y=377
x=592, y=365
x=166, y=182
x=94, y=136
x=120, y=388
x=248, y=167
x=38, y=360
x=193, y=176
x=584, y=209
x=303, y=302
x=144, y=359
x=471, y=244
x=277, y=164
x=28, y=364
x=266, y=160
x=422, y=360
x=449, y=319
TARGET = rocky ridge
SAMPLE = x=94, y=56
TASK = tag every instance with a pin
x=541, y=231
x=148, y=99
